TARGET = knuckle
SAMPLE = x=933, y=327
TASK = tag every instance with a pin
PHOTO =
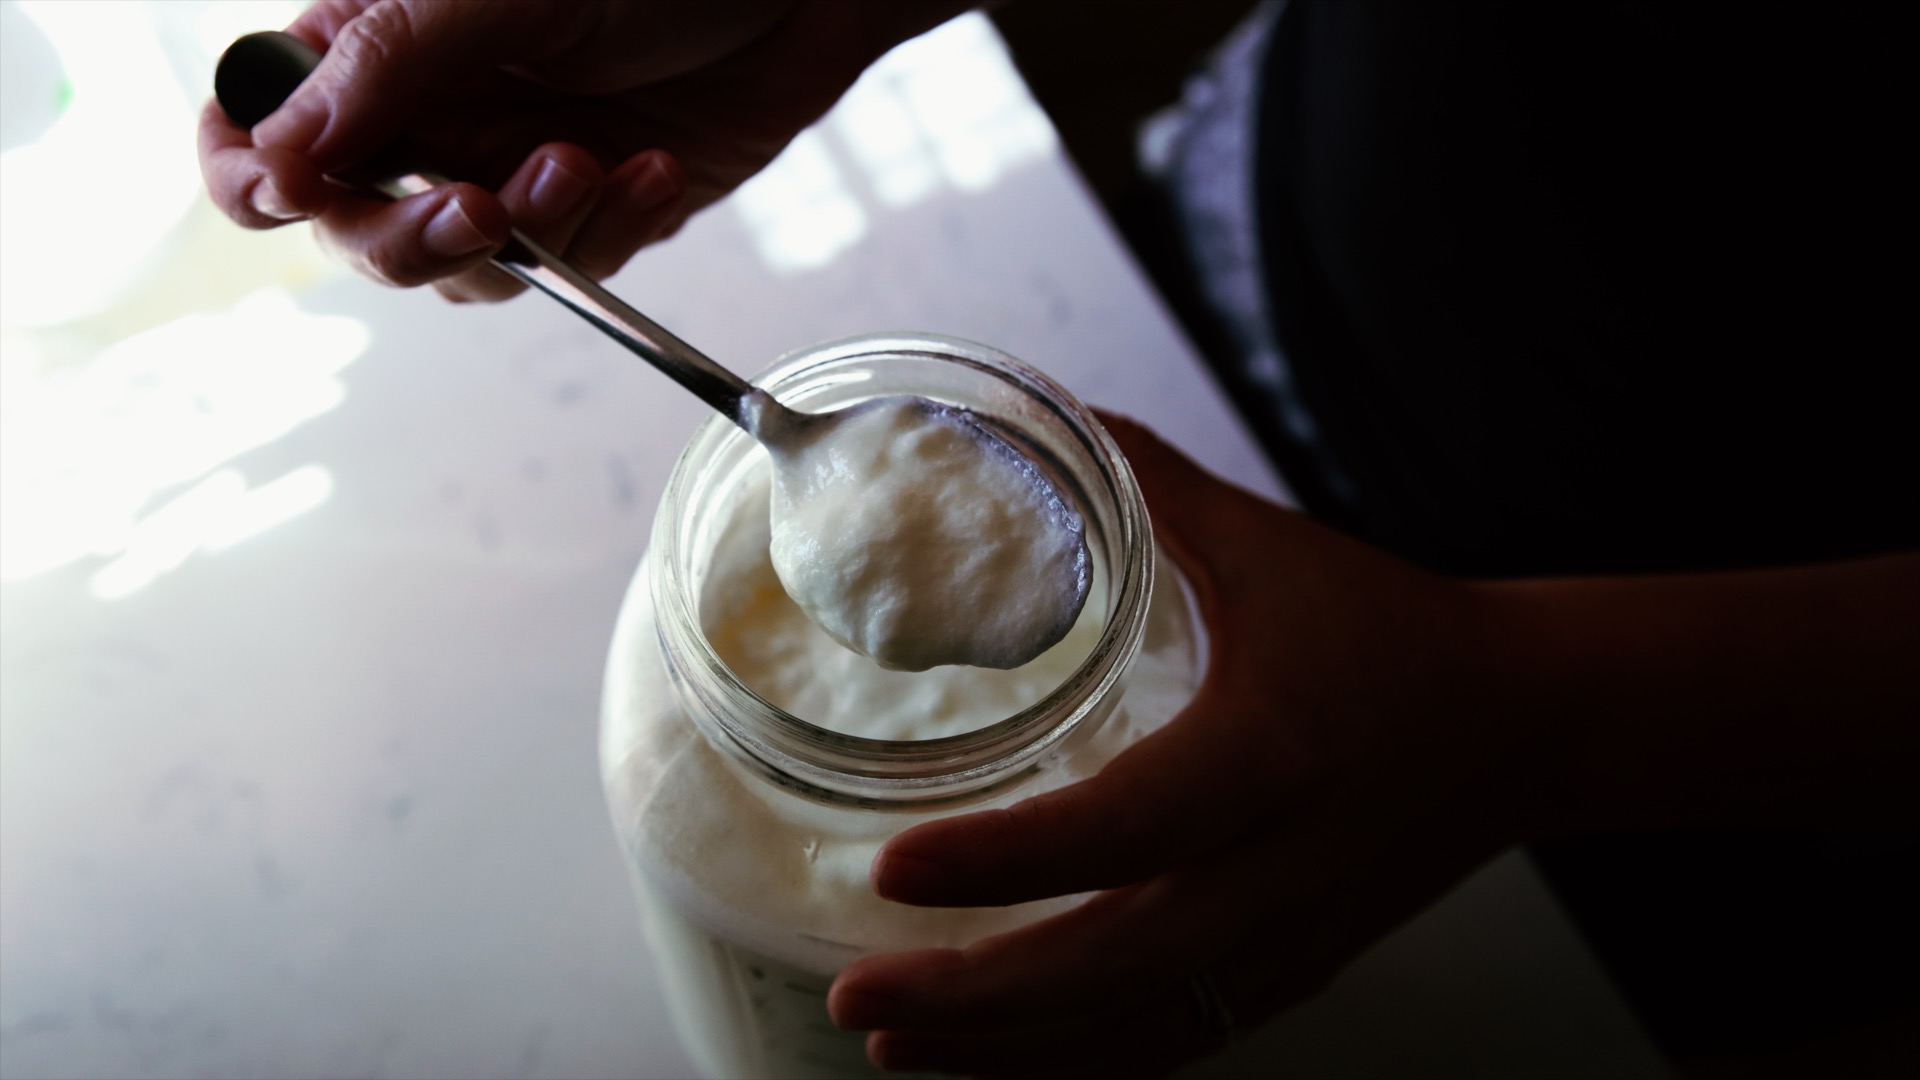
x=599, y=269
x=371, y=40
x=592, y=257
x=668, y=230
x=389, y=265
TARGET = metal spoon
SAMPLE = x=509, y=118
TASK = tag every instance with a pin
x=258, y=72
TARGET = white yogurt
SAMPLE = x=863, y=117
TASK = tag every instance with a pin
x=753, y=897
x=764, y=637
x=912, y=535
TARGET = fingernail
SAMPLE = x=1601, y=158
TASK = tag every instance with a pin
x=451, y=233
x=653, y=185
x=556, y=189
x=295, y=125
x=268, y=199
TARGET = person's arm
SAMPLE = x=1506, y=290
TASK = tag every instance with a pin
x=596, y=126
x=1783, y=696
x=1366, y=735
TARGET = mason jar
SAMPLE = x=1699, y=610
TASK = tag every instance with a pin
x=752, y=772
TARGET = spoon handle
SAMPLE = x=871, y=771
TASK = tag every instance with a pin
x=619, y=320
x=259, y=71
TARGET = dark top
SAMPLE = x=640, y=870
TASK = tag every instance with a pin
x=1599, y=287
x=1591, y=288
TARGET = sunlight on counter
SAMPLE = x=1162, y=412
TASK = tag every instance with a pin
x=145, y=342
x=91, y=201
x=148, y=342
x=945, y=109
x=88, y=449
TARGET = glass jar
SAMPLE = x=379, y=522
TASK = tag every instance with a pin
x=749, y=829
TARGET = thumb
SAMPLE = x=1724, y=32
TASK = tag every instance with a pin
x=1175, y=795
x=1211, y=528
x=383, y=61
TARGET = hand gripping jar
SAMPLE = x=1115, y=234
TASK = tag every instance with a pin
x=753, y=767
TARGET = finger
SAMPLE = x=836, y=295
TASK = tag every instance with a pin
x=1270, y=923
x=378, y=62
x=1231, y=543
x=1118, y=949
x=418, y=239
x=322, y=20
x=547, y=199
x=1179, y=793
x=1192, y=509
x=260, y=189
x=643, y=203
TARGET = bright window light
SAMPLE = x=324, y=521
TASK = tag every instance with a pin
x=85, y=449
x=85, y=208
x=213, y=515
x=270, y=504
x=945, y=110
x=219, y=22
x=799, y=209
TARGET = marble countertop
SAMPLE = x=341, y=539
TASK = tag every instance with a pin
x=300, y=780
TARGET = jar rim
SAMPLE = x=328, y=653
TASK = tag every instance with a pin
x=840, y=768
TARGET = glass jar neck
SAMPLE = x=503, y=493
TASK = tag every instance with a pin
x=1032, y=413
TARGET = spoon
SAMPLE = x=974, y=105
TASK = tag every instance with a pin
x=259, y=71
x=257, y=74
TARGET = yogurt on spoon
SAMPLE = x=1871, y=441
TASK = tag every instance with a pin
x=914, y=535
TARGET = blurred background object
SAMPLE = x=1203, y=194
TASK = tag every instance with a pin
x=1100, y=76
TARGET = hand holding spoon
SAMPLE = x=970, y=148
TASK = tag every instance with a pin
x=970, y=557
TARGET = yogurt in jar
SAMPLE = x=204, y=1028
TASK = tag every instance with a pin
x=751, y=857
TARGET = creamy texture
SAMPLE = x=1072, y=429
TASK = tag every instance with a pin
x=752, y=896
x=770, y=643
x=912, y=535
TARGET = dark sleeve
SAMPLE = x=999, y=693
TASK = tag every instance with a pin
x=1589, y=287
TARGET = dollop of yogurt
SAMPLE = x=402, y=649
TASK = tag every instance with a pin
x=912, y=534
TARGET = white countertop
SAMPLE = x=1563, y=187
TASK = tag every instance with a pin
x=323, y=801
